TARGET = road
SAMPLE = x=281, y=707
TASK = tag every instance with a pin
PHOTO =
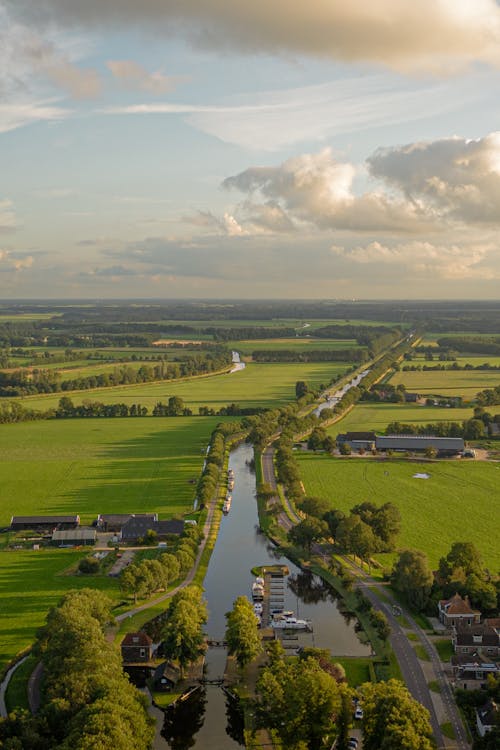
x=409, y=663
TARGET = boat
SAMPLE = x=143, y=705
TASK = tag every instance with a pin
x=257, y=608
x=290, y=623
x=257, y=592
x=259, y=580
x=230, y=474
x=230, y=484
x=227, y=504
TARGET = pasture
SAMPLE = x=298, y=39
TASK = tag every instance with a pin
x=375, y=417
x=91, y=466
x=264, y=385
x=463, y=383
x=299, y=344
x=460, y=501
x=31, y=582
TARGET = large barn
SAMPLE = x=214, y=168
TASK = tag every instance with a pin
x=445, y=446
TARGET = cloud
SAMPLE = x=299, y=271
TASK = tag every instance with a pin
x=7, y=215
x=10, y=261
x=424, y=260
x=315, y=189
x=109, y=272
x=459, y=177
x=133, y=76
x=431, y=35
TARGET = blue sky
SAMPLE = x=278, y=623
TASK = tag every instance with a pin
x=220, y=149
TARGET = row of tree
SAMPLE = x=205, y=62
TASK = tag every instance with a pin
x=489, y=397
x=453, y=367
x=88, y=701
x=469, y=429
x=471, y=344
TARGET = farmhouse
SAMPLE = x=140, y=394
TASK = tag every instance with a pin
x=457, y=610
x=137, y=527
x=74, y=537
x=412, y=398
x=44, y=523
x=114, y=522
x=357, y=440
x=481, y=638
x=137, y=648
x=445, y=446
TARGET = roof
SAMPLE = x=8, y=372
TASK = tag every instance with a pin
x=137, y=640
x=74, y=535
x=121, y=518
x=359, y=436
x=168, y=671
x=416, y=442
x=465, y=635
x=136, y=527
x=487, y=714
x=37, y=520
x=457, y=606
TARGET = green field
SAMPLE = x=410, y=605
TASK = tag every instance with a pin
x=30, y=583
x=91, y=466
x=464, y=383
x=302, y=344
x=257, y=385
x=375, y=417
x=460, y=502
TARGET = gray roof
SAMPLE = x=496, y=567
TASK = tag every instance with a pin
x=138, y=526
x=419, y=442
x=119, y=519
x=74, y=535
x=45, y=520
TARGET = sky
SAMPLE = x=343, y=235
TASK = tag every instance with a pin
x=230, y=149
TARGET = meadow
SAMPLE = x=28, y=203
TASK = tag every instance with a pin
x=460, y=501
x=376, y=417
x=463, y=383
x=264, y=385
x=101, y=466
x=299, y=344
x=30, y=583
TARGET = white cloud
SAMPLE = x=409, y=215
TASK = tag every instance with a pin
x=429, y=35
x=7, y=215
x=19, y=114
x=459, y=177
x=133, y=76
x=10, y=261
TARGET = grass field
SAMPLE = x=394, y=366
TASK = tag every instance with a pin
x=302, y=344
x=460, y=502
x=30, y=583
x=376, y=417
x=257, y=385
x=101, y=466
x=464, y=383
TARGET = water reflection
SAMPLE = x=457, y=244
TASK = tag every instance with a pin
x=235, y=719
x=184, y=720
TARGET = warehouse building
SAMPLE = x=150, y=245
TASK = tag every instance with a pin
x=445, y=446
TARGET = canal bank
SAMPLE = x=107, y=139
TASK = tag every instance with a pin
x=211, y=720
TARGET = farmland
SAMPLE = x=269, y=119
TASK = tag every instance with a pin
x=41, y=577
x=460, y=501
x=302, y=344
x=257, y=385
x=106, y=465
x=376, y=417
x=462, y=383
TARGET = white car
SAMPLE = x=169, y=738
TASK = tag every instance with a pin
x=358, y=714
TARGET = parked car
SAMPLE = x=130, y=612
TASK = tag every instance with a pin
x=352, y=743
x=358, y=714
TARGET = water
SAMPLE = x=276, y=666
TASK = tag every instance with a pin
x=239, y=548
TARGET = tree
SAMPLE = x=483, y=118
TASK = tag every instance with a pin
x=183, y=635
x=317, y=439
x=175, y=406
x=329, y=443
x=430, y=452
x=242, y=634
x=308, y=531
x=413, y=578
x=356, y=537
x=301, y=389
x=393, y=720
x=314, y=506
x=333, y=519
x=299, y=701
x=464, y=556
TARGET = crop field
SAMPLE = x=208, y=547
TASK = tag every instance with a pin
x=30, y=583
x=463, y=359
x=459, y=502
x=299, y=344
x=257, y=385
x=92, y=466
x=376, y=417
x=464, y=383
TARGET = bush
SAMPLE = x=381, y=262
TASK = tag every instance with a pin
x=88, y=565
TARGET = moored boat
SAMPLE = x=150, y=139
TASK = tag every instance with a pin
x=290, y=623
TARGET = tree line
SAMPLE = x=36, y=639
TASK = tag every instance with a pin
x=469, y=429
x=88, y=700
x=313, y=355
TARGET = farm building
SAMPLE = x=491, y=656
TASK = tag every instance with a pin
x=457, y=610
x=74, y=537
x=137, y=527
x=137, y=648
x=412, y=398
x=44, y=523
x=445, y=446
x=114, y=522
x=357, y=440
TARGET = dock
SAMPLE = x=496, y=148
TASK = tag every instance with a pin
x=274, y=591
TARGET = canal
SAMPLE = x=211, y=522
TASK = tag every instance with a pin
x=202, y=722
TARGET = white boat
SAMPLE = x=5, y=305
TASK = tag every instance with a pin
x=257, y=608
x=290, y=623
x=257, y=591
x=230, y=484
x=259, y=580
x=230, y=473
x=227, y=504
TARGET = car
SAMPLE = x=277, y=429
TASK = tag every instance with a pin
x=353, y=742
x=358, y=714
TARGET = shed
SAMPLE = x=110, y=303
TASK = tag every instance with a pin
x=166, y=676
x=444, y=445
x=74, y=537
x=44, y=523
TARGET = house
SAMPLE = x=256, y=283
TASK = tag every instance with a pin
x=44, y=523
x=357, y=440
x=445, y=446
x=455, y=610
x=487, y=717
x=166, y=676
x=472, y=668
x=478, y=638
x=74, y=537
x=138, y=526
x=137, y=648
x=412, y=398
x=114, y=522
